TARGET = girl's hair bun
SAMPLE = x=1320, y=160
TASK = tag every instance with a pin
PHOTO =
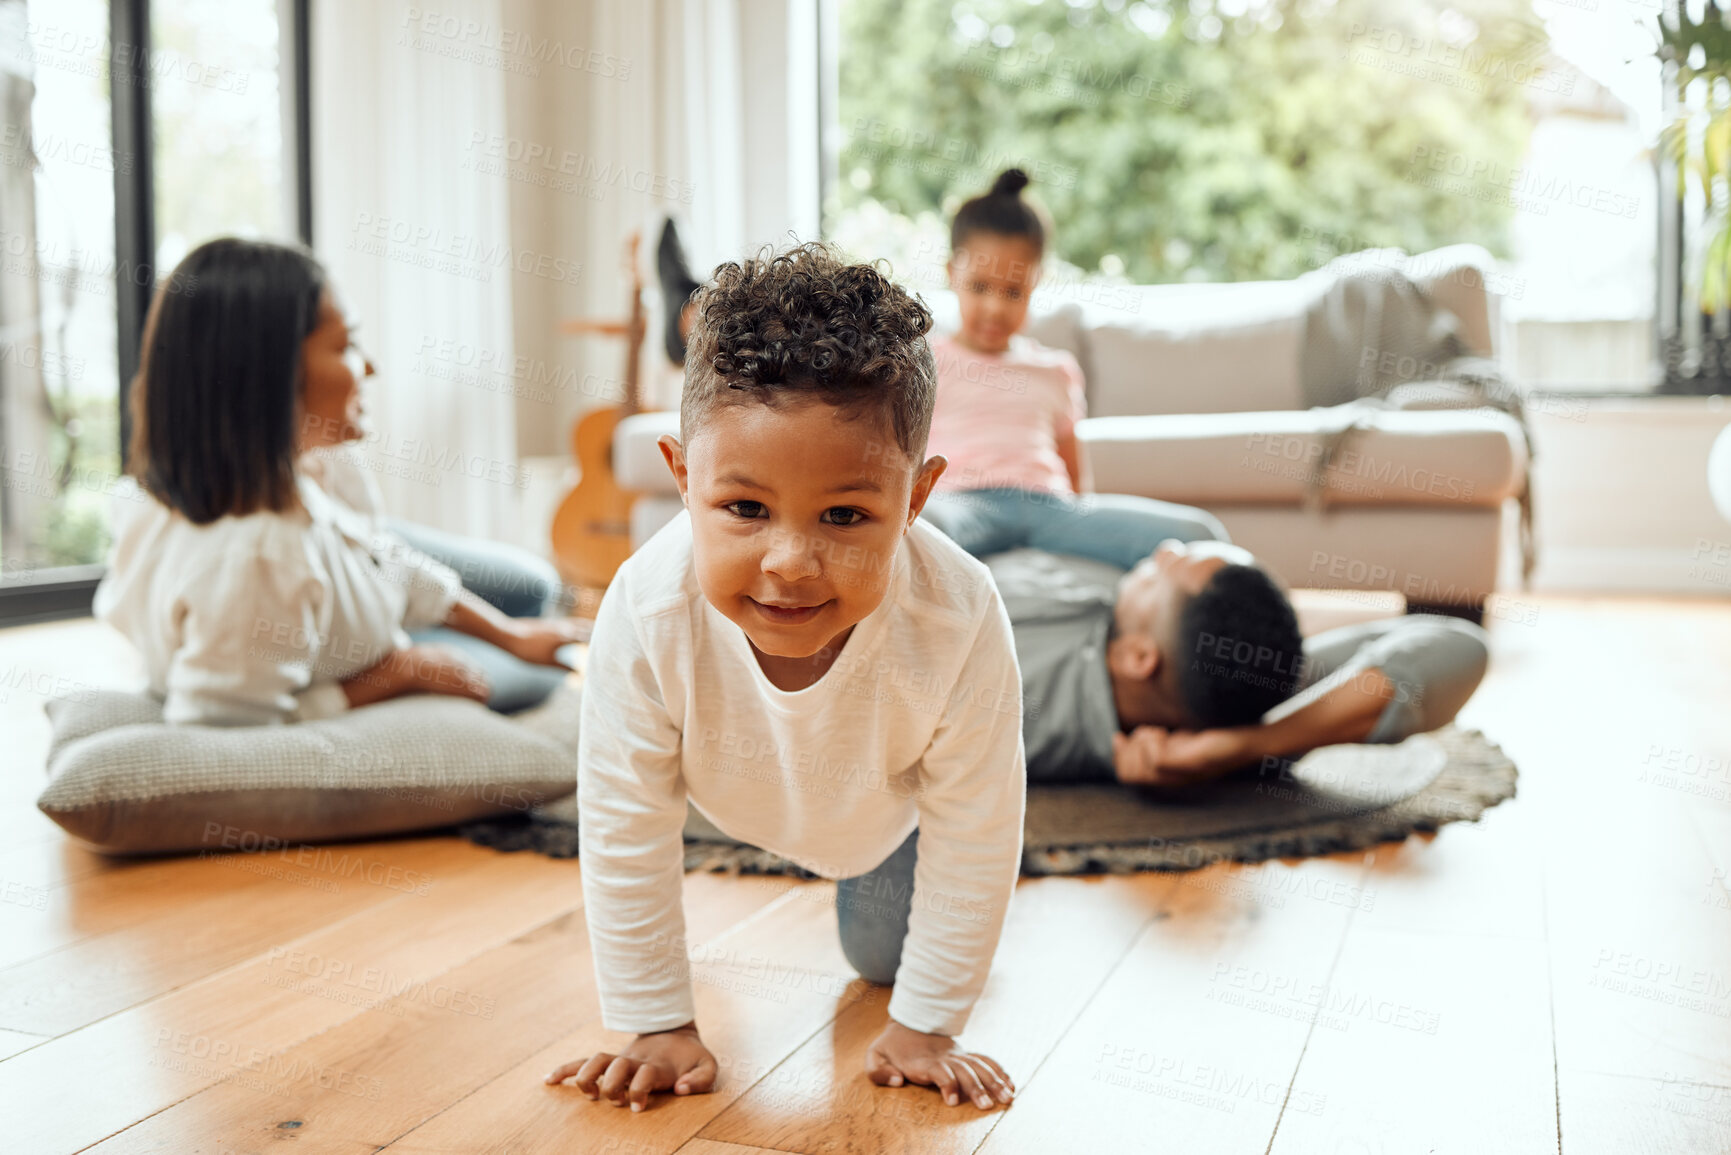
x=1010, y=182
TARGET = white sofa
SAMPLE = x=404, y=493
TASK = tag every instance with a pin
x=1195, y=396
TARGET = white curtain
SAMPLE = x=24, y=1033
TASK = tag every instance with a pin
x=707, y=107
x=686, y=53
x=722, y=104
x=417, y=241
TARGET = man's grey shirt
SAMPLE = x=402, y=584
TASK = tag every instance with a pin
x=1061, y=613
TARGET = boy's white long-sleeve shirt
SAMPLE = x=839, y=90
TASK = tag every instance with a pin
x=918, y=722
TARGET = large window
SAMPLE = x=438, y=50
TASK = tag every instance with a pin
x=1227, y=140
x=131, y=132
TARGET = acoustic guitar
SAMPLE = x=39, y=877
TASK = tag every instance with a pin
x=592, y=528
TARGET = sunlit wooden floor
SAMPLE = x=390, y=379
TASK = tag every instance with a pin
x=1558, y=975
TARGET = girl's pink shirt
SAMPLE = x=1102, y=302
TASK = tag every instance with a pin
x=999, y=417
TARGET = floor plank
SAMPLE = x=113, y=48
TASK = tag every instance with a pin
x=153, y=1055
x=182, y=922
x=12, y=1042
x=1402, y=1002
x=711, y=1147
x=374, y=1077
x=1617, y=1115
x=1192, y=1041
x=762, y=989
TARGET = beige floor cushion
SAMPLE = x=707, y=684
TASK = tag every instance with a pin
x=125, y=782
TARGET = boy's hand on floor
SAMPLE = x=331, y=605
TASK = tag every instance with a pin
x=903, y=1055
x=654, y=1062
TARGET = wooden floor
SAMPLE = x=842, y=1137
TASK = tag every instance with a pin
x=1555, y=976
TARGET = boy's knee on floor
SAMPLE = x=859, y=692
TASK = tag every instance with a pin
x=876, y=955
x=874, y=963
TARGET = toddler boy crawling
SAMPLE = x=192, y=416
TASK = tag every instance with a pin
x=818, y=671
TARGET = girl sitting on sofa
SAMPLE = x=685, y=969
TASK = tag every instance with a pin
x=1007, y=408
x=255, y=572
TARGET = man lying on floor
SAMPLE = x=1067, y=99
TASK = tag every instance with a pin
x=1191, y=666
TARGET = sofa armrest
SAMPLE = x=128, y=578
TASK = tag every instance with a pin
x=637, y=461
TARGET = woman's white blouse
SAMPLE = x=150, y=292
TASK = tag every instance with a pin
x=257, y=619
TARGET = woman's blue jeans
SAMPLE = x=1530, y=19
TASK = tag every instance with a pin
x=1117, y=528
x=514, y=581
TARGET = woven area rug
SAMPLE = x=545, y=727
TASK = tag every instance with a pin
x=1335, y=798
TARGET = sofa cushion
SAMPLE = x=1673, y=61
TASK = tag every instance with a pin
x=1456, y=457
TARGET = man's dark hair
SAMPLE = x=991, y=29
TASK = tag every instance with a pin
x=802, y=324
x=1239, y=651
x=1003, y=211
x=219, y=379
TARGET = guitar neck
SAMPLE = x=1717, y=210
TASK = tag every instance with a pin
x=633, y=351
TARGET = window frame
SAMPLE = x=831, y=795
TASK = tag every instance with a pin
x=67, y=592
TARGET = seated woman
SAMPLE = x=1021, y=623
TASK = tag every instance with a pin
x=1007, y=407
x=255, y=593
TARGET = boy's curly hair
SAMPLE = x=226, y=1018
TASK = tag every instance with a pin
x=801, y=324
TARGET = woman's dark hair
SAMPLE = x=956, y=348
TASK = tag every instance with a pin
x=804, y=324
x=219, y=379
x=1001, y=211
